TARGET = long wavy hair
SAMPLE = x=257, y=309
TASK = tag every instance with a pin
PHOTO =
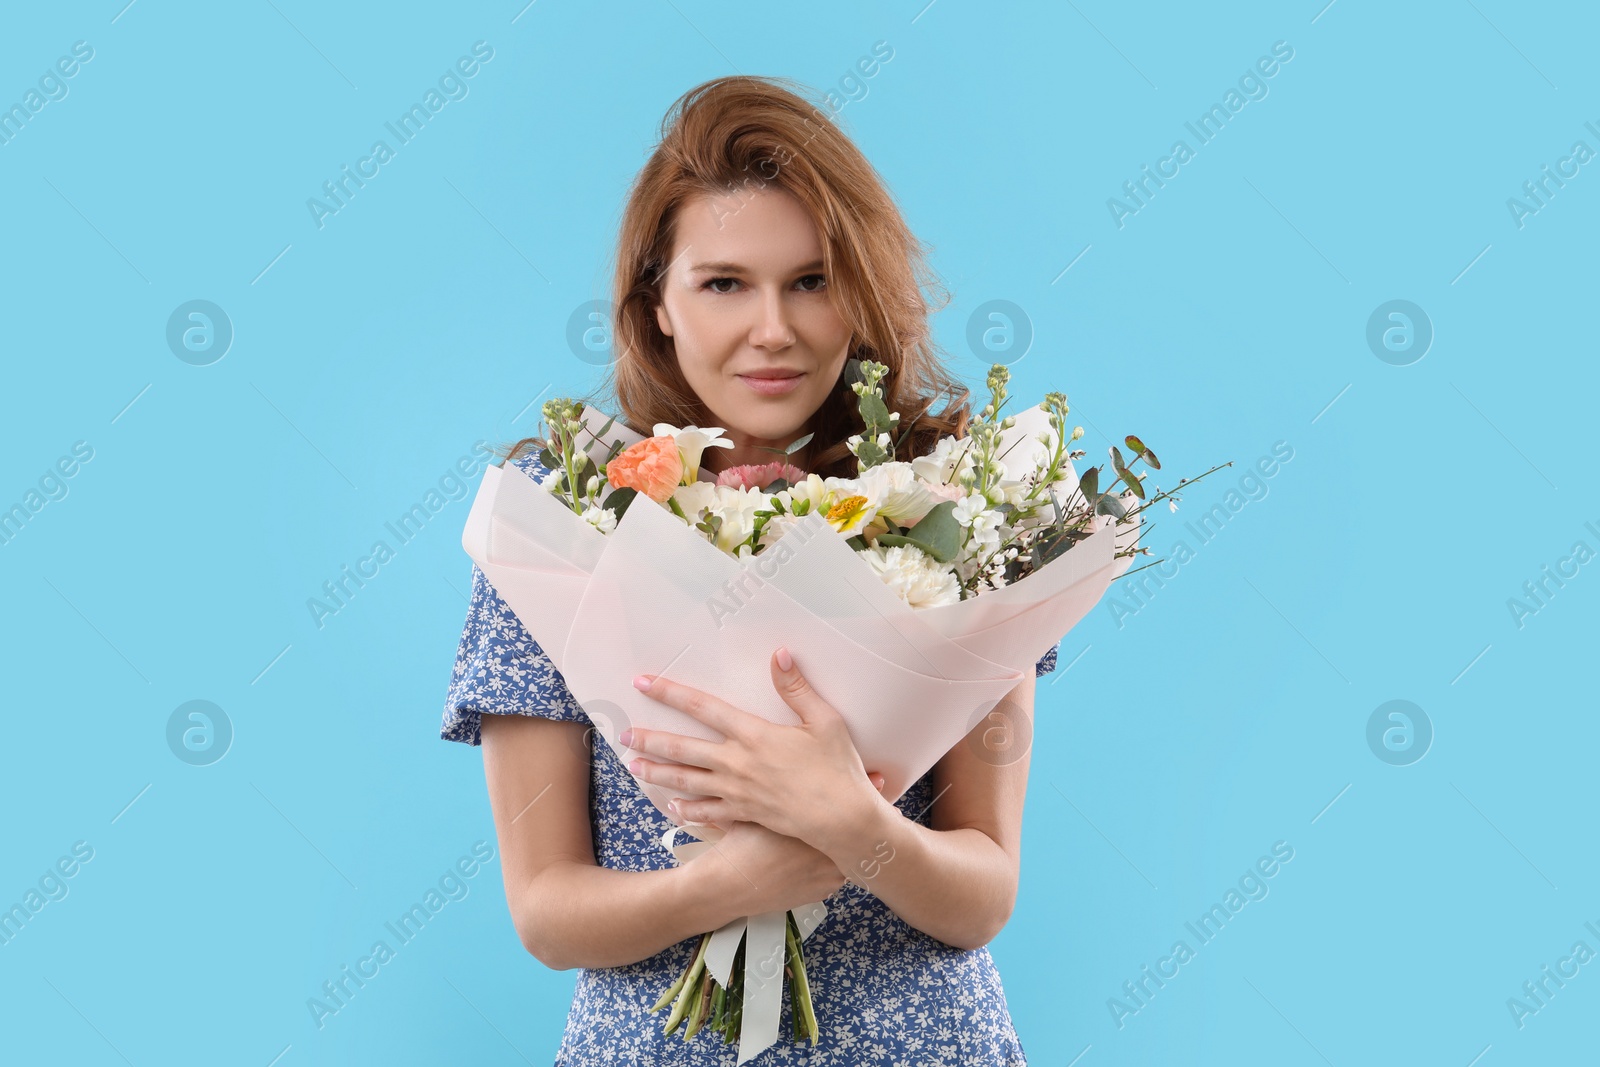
x=738, y=133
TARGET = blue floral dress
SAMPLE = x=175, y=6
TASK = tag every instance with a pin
x=887, y=993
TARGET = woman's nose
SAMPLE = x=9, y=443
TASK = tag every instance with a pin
x=772, y=329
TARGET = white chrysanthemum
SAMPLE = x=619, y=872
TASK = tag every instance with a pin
x=602, y=519
x=916, y=577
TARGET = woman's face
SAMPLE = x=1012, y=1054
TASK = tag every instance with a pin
x=744, y=299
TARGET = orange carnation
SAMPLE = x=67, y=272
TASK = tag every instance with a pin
x=652, y=466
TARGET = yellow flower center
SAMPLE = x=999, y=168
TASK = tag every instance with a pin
x=846, y=512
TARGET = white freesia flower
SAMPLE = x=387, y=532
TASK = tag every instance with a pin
x=917, y=578
x=737, y=508
x=813, y=490
x=692, y=441
x=695, y=498
x=602, y=519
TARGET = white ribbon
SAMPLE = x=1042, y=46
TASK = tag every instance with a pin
x=765, y=942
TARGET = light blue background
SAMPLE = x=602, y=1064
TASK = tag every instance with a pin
x=1227, y=315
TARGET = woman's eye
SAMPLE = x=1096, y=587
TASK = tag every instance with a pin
x=820, y=280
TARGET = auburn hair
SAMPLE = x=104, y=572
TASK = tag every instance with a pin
x=741, y=133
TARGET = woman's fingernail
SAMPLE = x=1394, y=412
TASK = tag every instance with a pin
x=626, y=737
x=633, y=765
x=784, y=660
x=672, y=806
x=641, y=682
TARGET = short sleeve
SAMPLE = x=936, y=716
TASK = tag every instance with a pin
x=1048, y=663
x=500, y=669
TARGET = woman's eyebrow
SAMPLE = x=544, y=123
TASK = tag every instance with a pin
x=725, y=267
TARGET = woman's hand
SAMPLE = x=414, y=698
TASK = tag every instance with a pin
x=754, y=870
x=803, y=781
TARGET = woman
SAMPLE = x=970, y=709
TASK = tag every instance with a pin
x=758, y=251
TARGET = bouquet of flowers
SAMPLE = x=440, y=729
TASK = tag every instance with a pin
x=940, y=580
x=938, y=530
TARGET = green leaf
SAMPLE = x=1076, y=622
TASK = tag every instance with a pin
x=548, y=458
x=1049, y=546
x=1089, y=484
x=619, y=499
x=870, y=453
x=873, y=411
x=798, y=444
x=776, y=486
x=1143, y=453
x=1110, y=504
x=937, y=533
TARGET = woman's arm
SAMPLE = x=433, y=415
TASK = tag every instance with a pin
x=957, y=881
x=568, y=911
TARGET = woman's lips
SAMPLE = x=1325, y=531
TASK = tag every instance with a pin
x=771, y=386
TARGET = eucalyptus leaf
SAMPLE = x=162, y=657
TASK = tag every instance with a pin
x=873, y=411
x=1049, y=547
x=619, y=499
x=1089, y=484
x=937, y=533
x=870, y=453
x=1110, y=504
x=796, y=445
